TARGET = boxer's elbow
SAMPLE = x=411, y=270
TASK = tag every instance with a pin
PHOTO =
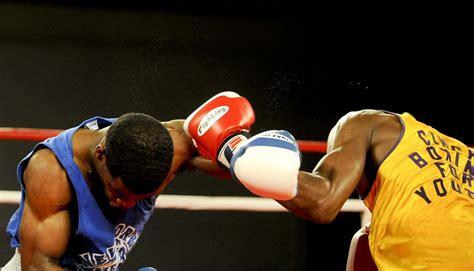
x=321, y=212
x=320, y=208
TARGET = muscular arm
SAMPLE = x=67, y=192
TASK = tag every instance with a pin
x=322, y=193
x=45, y=226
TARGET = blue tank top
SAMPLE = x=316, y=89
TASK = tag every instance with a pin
x=96, y=243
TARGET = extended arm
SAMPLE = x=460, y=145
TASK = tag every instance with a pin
x=361, y=137
x=45, y=225
x=322, y=193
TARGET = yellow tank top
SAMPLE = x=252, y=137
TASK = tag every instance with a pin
x=422, y=203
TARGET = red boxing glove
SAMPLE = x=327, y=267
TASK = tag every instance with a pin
x=220, y=120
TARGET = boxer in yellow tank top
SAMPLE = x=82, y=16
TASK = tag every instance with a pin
x=417, y=182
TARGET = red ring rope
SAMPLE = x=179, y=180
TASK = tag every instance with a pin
x=33, y=134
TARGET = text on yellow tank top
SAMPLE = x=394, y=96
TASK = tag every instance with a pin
x=422, y=203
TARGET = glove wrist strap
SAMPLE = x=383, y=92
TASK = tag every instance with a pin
x=229, y=147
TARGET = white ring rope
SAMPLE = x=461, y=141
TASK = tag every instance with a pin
x=217, y=203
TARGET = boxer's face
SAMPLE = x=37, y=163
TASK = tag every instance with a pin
x=118, y=195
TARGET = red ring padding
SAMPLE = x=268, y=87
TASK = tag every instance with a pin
x=312, y=146
x=34, y=134
x=29, y=134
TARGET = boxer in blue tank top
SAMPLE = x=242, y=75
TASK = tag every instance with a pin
x=88, y=192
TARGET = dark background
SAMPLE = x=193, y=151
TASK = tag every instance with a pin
x=302, y=66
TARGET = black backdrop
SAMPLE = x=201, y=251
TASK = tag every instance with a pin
x=301, y=66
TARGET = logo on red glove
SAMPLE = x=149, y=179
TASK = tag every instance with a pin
x=210, y=118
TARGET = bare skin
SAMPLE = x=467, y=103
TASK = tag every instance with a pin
x=46, y=226
x=357, y=145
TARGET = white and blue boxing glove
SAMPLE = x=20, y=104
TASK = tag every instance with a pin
x=268, y=164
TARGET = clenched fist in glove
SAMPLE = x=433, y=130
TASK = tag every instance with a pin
x=220, y=123
x=267, y=164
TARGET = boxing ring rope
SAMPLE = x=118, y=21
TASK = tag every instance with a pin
x=27, y=134
x=189, y=202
